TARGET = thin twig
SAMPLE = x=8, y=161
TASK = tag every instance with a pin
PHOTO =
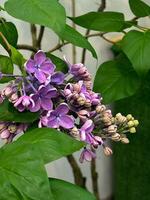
x=74, y=26
x=41, y=33
x=26, y=47
x=100, y=9
x=78, y=177
x=94, y=175
x=34, y=35
x=6, y=42
x=58, y=46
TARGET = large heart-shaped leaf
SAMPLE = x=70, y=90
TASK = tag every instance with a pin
x=52, y=144
x=6, y=67
x=116, y=79
x=9, y=113
x=9, y=31
x=136, y=45
x=101, y=21
x=48, y=13
x=63, y=190
x=71, y=35
x=139, y=8
x=22, y=174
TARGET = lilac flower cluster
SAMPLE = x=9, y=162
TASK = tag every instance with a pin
x=69, y=106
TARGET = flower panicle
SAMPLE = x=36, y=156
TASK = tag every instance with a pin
x=69, y=105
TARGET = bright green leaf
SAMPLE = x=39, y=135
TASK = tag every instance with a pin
x=1, y=8
x=63, y=190
x=60, y=64
x=9, y=31
x=9, y=113
x=139, y=8
x=101, y=21
x=52, y=144
x=22, y=172
x=74, y=37
x=116, y=79
x=6, y=67
x=48, y=13
x=136, y=45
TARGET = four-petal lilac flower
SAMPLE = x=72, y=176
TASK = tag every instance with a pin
x=42, y=98
x=87, y=155
x=40, y=66
x=59, y=118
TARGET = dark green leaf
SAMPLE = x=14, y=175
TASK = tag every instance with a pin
x=101, y=21
x=17, y=57
x=116, y=79
x=74, y=37
x=48, y=13
x=9, y=31
x=6, y=67
x=60, y=64
x=136, y=45
x=9, y=113
x=52, y=144
x=63, y=190
x=22, y=172
x=139, y=8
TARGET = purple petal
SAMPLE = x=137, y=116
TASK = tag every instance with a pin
x=53, y=122
x=37, y=104
x=47, y=67
x=88, y=155
x=5, y=134
x=87, y=126
x=30, y=66
x=58, y=78
x=82, y=136
x=46, y=104
x=66, y=121
x=39, y=57
x=40, y=76
x=62, y=109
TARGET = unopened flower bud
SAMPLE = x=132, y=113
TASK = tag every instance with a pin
x=7, y=91
x=136, y=123
x=14, y=97
x=118, y=115
x=87, y=103
x=5, y=134
x=112, y=129
x=125, y=140
x=12, y=128
x=100, y=108
x=107, y=151
x=130, y=124
x=129, y=117
x=132, y=130
x=116, y=137
x=122, y=119
x=81, y=101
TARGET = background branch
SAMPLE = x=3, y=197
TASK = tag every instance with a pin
x=34, y=35
x=74, y=26
x=41, y=33
x=100, y=9
x=78, y=177
x=26, y=47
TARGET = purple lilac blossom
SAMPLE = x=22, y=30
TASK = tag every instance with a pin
x=42, y=98
x=87, y=155
x=59, y=118
x=40, y=66
x=24, y=102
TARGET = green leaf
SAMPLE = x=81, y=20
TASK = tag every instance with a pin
x=60, y=64
x=9, y=31
x=9, y=113
x=22, y=172
x=101, y=21
x=139, y=8
x=50, y=143
x=6, y=67
x=48, y=13
x=63, y=190
x=136, y=45
x=116, y=79
x=74, y=37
